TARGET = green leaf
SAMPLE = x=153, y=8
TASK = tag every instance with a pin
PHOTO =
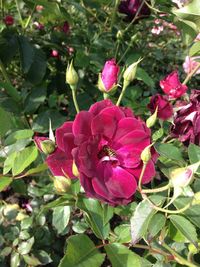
x=140, y=219
x=144, y=76
x=40, y=168
x=9, y=162
x=5, y=182
x=169, y=151
x=43, y=257
x=193, y=213
x=121, y=256
x=158, y=134
x=97, y=216
x=123, y=233
x=176, y=235
x=194, y=153
x=195, y=49
x=25, y=247
x=185, y=227
x=156, y=224
x=61, y=217
x=11, y=91
x=36, y=97
x=81, y=252
x=18, y=135
x=31, y=260
x=14, y=259
x=6, y=122
x=190, y=12
x=27, y=53
x=24, y=158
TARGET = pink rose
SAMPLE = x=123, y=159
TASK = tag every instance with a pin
x=186, y=126
x=109, y=75
x=190, y=64
x=172, y=86
x=105, y=143
x=165, y=110
x=8, y=20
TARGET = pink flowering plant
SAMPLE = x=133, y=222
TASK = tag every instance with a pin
x=99, y=133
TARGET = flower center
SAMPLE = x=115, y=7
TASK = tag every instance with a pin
x=106, y=151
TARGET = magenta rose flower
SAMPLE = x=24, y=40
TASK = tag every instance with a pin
x=8, y=20
x=109, y=76
x=186, y=125
x=172, y=86
x=130, y=8
x=165, y=110
x=105, y=143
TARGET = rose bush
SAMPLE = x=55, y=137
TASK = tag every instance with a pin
x=105, y=143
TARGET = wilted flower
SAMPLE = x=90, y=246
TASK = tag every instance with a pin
x=109, y=76
x=105, y=143
x=172, y=86
x=186, y=126
x=130, y=8
x=8, y=20
x=190, y=64
x=165, y=110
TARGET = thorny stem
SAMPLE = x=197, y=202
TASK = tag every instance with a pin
x=189, y=76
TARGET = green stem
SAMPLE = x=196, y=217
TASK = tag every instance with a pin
x=105, y=96
x=9, y=89
x=75, y=100
x=179, y=258
x=141, y=176
x=114, y=13
x=156, y=190
x=189, y=76
x=2, y=8
x=19, y=13
x=122, y=94
x=126, y=51
x=29, y=18
x=117, y=48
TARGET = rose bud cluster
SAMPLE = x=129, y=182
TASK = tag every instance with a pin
x=164, y=107
x=186, y=126
x=130, y=8
x=104, y=145
x=8, y=20
x=172, y=86
x=109, y=76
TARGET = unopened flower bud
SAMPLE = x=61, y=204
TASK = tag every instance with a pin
x=44, y=144
x=119, y=35
x=62, y=184
x=130, y=73
x=146, y=154
x=152, y=119
x=182, y=177
x=75, y=170
x=71, y=75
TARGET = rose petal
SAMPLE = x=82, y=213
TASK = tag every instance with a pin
x=61, y=131
x=96, y=108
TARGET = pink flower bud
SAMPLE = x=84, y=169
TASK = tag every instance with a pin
x=109, y=75
x=44, y=144
x=172, y=86
x=8, y=20
x=39, y=8
x=54, y=53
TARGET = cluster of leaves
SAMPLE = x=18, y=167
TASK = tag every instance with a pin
x=35, y=222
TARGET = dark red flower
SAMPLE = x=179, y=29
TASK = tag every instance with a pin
x=172, y=86
x=105, y=143
x=186, y=126
x=66, y=27
x=165, y=110
x=130, y=8
x=8, y=20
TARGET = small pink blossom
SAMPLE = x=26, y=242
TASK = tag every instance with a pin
x=38, y=25
x=157, y=29
x=190, y=64
x=55, y=53
x=172, y=86
x=39, y=8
